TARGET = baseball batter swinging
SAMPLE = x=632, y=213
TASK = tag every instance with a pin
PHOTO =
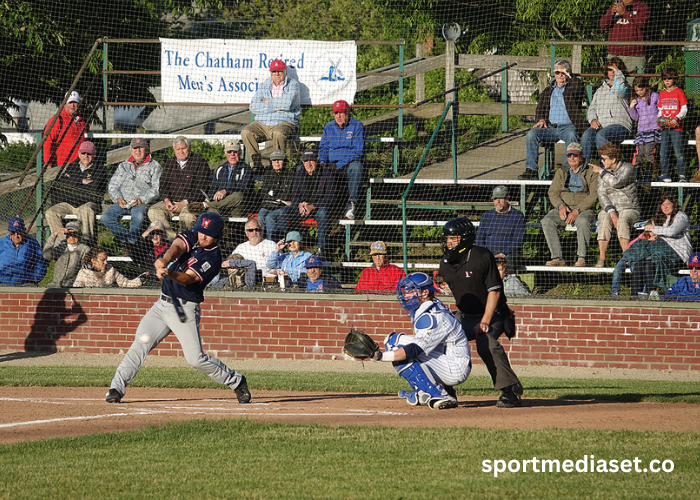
x=185, y=269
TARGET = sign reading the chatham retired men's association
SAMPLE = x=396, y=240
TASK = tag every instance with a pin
x=229, y=71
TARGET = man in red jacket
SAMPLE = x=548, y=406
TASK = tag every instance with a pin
x=380, y=277
x=58, y=147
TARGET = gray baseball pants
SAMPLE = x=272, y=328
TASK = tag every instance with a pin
x=158, y=322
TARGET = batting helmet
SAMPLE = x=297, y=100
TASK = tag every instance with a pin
x=462, y=227
x=417, y=282
x=210, y=223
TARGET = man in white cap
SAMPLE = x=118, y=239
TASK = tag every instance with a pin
x=277, y=107
x=502, y=230
x=230, y=186
x=79, y=191
x=343, y=145
x=66, y=134
x=185, y=180
x=133, y=187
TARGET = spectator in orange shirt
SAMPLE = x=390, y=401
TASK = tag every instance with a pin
x=67, y=133
x=380, y=277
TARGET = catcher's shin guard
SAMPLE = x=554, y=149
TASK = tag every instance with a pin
x=422, y=380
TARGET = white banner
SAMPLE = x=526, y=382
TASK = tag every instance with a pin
x=229, y=71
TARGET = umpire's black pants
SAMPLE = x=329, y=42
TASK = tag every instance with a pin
x=490, y=349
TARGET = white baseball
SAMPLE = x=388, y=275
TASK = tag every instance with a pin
x=145, y=338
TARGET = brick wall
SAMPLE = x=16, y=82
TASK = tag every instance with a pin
x=603, y=334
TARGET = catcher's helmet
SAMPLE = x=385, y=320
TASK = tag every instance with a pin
x=211, y=224
x=414, y=281
x=462, y=227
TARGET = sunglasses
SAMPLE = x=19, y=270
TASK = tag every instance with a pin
x=233, y=151
x=88, y=154
x=569, y=155
x=255, y=230
x=14, y=233
x=557, y=73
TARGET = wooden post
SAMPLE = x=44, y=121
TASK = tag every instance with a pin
x=576, y=63
x=542, y=51
x=449, y=68
x=420, y=77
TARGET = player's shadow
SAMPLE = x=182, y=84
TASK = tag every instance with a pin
x=57, y=314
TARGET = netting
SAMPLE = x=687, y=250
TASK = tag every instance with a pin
x=160, y=70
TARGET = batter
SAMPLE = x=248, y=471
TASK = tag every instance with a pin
x=186, y=268
x=437, y=356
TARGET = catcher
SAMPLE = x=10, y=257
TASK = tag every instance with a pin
x=436, y=357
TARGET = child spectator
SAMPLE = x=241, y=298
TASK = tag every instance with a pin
x=512, y=286
x=673, y=106
x=687, y=287
x=644, y=110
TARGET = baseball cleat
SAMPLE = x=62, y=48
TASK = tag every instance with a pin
x=443, y=403
x=242, y=392
x=114, y=396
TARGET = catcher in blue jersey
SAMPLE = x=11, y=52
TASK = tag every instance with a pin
x=186, y=268
x=436, y=357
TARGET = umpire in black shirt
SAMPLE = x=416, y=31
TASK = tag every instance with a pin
x=472, y=275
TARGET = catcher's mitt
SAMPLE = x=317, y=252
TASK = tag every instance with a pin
x=359, y=345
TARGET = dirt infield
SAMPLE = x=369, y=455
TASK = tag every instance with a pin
x=32, y=413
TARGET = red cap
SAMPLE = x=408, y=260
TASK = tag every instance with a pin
x=87, y=147
x=340, y=106
x=277, y=65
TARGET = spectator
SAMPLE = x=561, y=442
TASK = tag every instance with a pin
x=502, y=229
x=231, y=185
x=256, y=249
x=79, y=190
x=241, y=273
x=644, y=110
x=315, y=282
x=185, y=180
x=313, y=197
x=665, y=254
x=132, y=188
x=65, y=248
x=292, y=263
x=629, y=257
x=512, y=286
x=607, y=114
x=152, y=244
x=625, y=19
x=617, y=195
x=381, y=276
x=343, y=144
x=673, y=106
x=21, y=261
x=66, y=134
x=573, y=194
x=276, y=106
x=687, y=287
x=559, y=116
x=98, y=273
x=696, y=177
x=277, y=187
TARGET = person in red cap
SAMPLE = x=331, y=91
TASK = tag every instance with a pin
x=277, y=107
x=343, y=144
x=79, y=191
x=67, y=130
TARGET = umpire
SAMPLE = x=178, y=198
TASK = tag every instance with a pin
x=472, y=275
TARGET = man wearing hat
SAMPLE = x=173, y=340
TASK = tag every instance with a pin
x=315, y=282
x=21, y=261
x=343, y=145
x=185, y=180
x=380, y=277
x=230, y=186
x=65, y=248
x=573, y=194
x=277, y=107
x=79, y=190
x=65, y=134
x=292, y=263
x=132, y=188
x=277, y=187
x=313, y=197
x=687, y=287
x=502, y=230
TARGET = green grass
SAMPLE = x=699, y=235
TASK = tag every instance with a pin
x=379, y=383
x=244, y=459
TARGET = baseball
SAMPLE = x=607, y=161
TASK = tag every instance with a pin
x=145, y=338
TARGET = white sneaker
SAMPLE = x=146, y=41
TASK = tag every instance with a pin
x=350, y=211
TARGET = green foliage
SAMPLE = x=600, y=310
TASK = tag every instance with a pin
x=15, y=156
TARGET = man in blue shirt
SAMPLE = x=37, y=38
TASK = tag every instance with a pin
x=21, y=259
x=316, y=283
x=687, y=287
x=343, y=144
x=502, y=229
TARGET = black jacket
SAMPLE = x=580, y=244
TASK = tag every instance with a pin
x=69, y=187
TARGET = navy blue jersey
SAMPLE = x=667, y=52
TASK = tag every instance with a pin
x=205, y=262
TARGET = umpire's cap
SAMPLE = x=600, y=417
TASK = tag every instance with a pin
x=210, y=223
